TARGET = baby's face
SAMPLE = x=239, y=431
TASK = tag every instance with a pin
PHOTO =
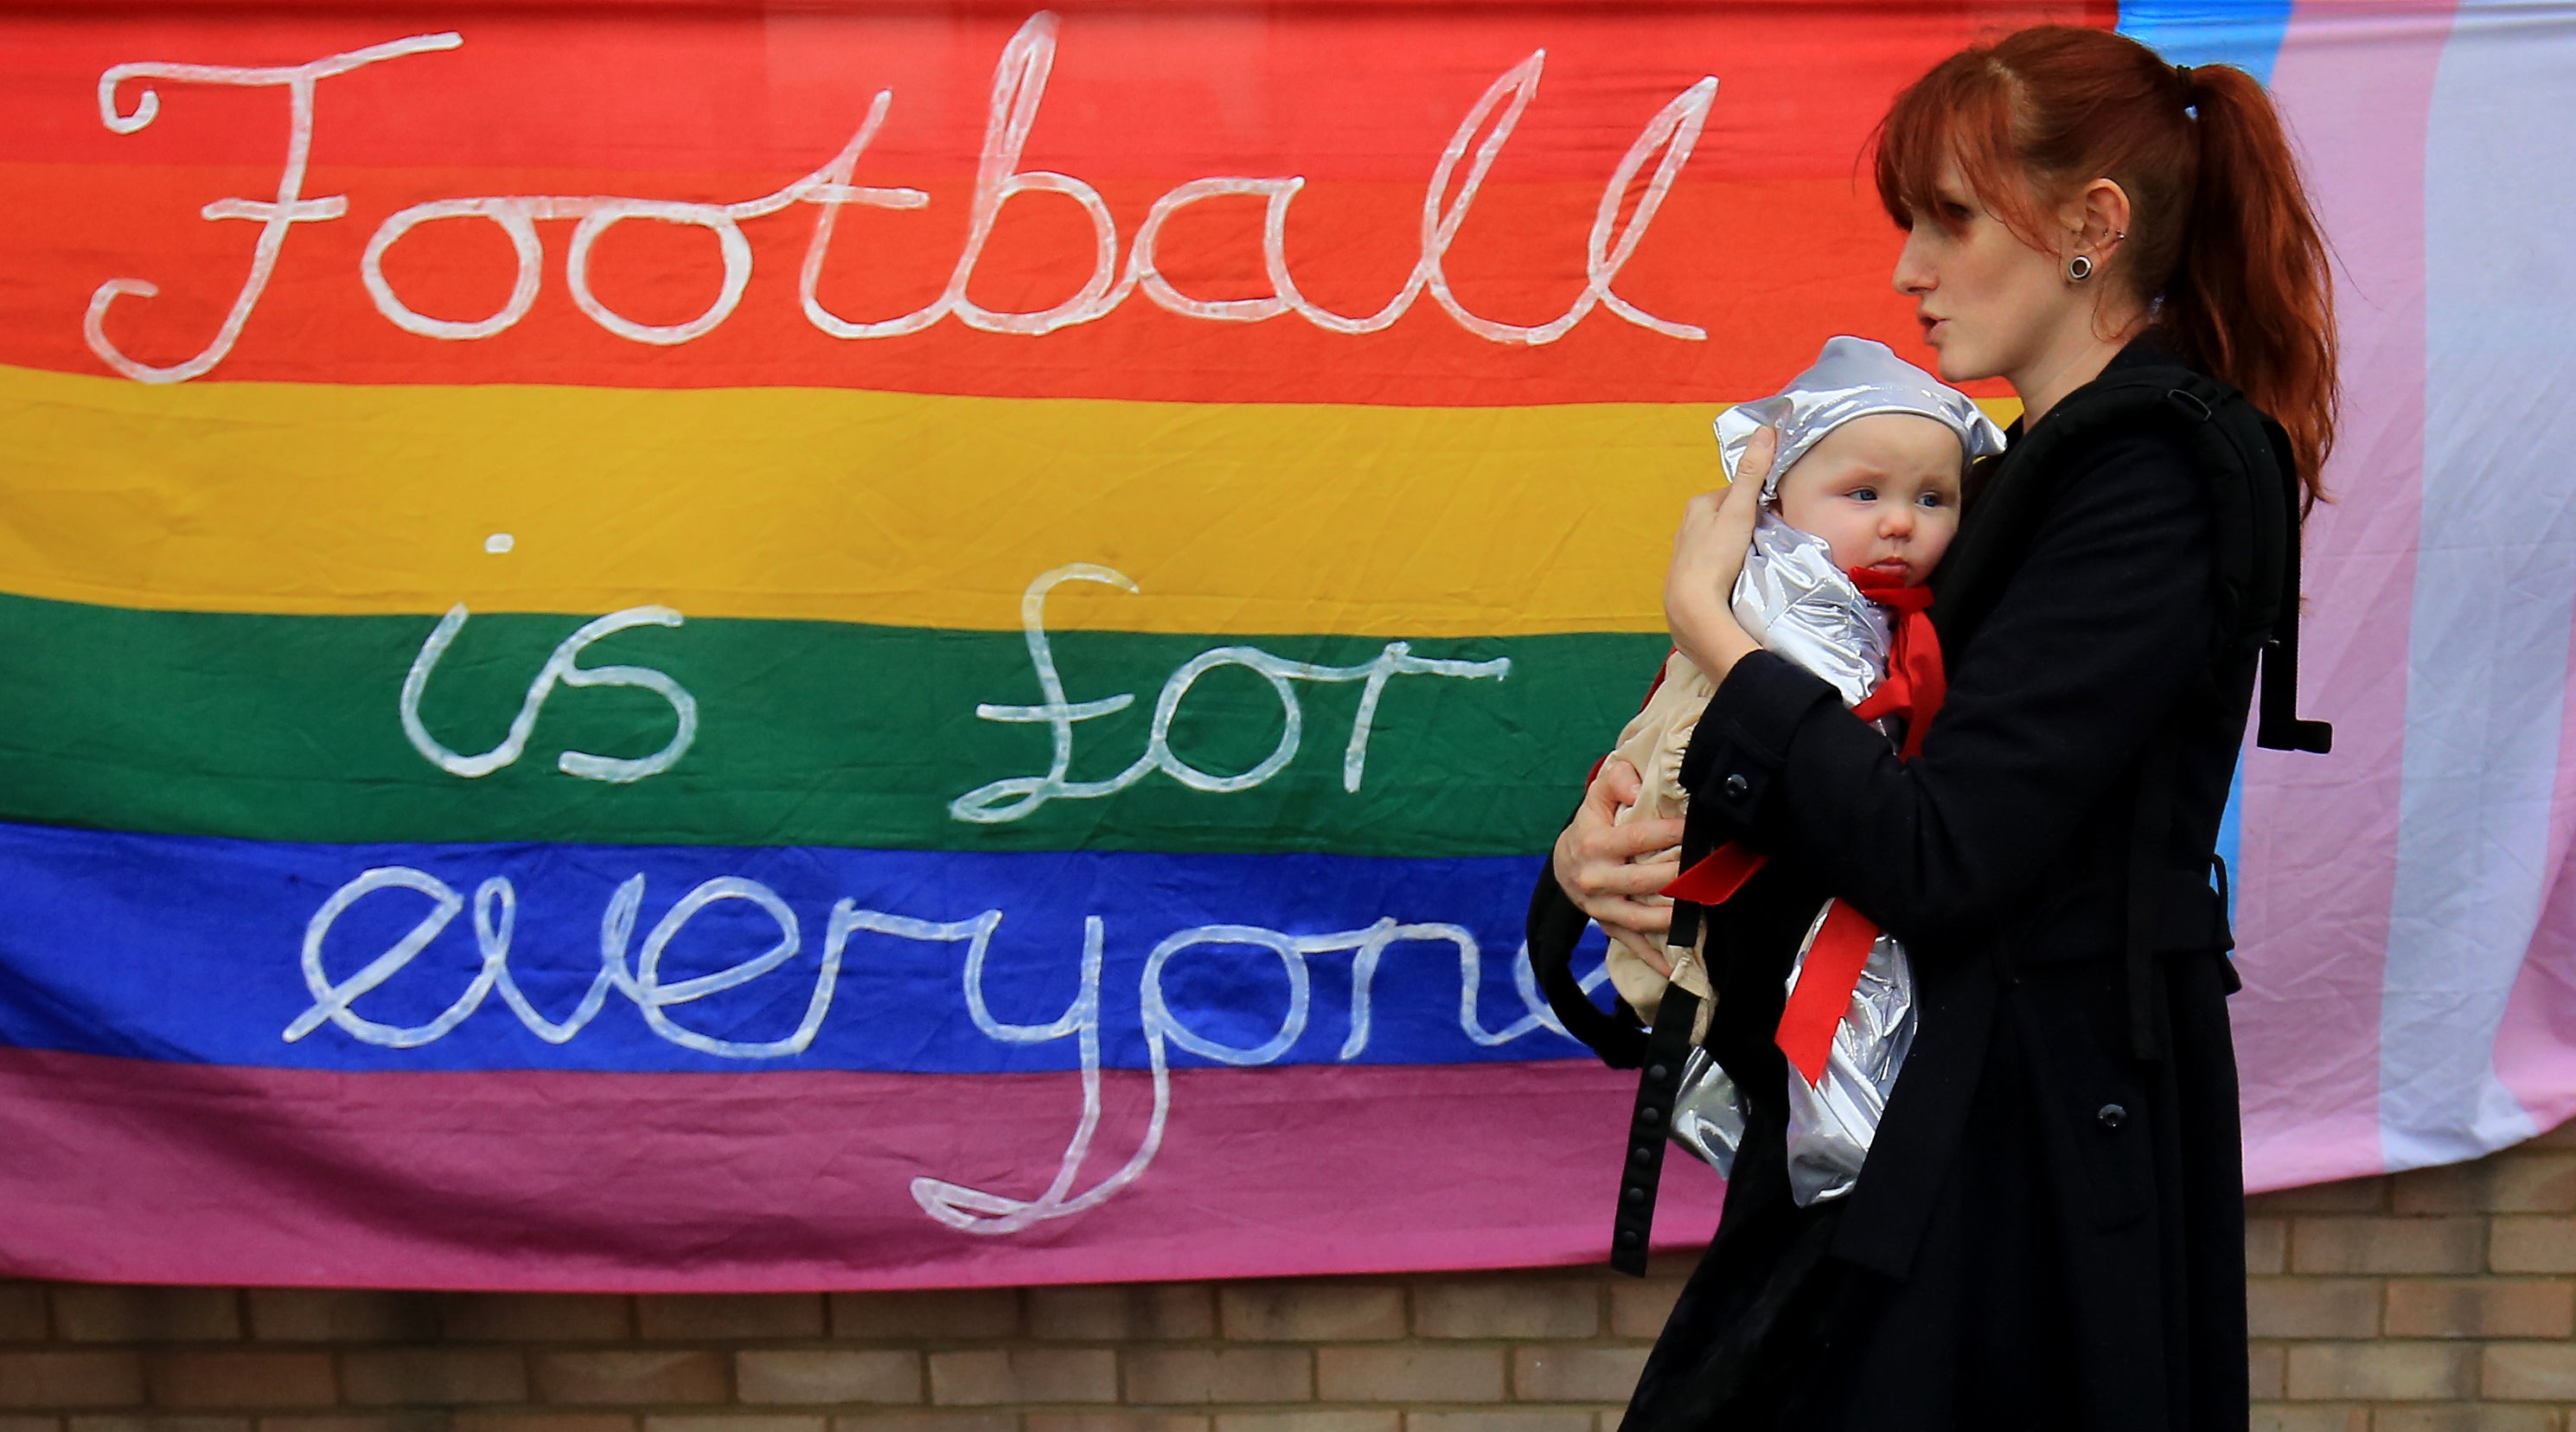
x=1883, y=491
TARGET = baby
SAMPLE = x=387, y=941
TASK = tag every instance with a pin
x=1858, y=507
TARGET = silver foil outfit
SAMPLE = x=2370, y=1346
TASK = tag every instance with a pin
x=1796, y=602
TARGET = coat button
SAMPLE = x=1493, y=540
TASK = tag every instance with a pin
x=1736, y=786
x=1644, y=1153
x=2112, y=1116
x=1650, y=1117
x=1658, y=1072
x=1633, y=1194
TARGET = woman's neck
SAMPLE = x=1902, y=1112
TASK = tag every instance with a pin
x=2068, y=365
x=2044, y=383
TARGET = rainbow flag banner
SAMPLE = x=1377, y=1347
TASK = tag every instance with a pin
x=727, y=647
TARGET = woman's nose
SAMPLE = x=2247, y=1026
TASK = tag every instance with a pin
x=1913, y=277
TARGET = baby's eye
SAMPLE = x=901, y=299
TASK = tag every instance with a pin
x=1931, y=499
x=1863, y=494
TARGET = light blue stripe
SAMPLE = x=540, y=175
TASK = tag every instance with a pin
x=2243, y=33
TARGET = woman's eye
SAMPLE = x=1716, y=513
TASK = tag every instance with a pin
x=1957, y=212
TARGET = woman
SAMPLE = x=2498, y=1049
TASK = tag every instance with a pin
x=2049, y=1231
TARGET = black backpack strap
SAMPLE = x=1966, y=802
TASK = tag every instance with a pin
x=1650, y=1124
x=1553, y=926
x=2255, y=514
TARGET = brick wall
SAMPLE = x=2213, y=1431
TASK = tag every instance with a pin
x=2439, y=1301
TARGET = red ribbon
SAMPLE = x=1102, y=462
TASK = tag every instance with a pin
x=1718, y=875
x=1824, y=992
x=1915, y=682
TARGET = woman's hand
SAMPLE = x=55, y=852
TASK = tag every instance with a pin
x=1593, y=863
x=1708, y=555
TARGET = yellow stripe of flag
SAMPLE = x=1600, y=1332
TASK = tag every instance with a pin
x=830, y=504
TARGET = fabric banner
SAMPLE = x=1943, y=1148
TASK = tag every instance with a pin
x=723, y=648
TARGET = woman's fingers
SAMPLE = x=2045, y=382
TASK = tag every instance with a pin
x=1754, y=468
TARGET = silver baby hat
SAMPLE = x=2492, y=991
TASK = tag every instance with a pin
x=1852, y=378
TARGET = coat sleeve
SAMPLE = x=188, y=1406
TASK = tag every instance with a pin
x=2091, y=645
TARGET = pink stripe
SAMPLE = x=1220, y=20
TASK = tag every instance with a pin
x=123, y=1171
x=2319, y=854
x=2535, y=1053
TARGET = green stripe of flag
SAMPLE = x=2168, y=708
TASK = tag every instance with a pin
x=808, y=733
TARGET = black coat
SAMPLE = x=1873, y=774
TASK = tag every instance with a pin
x=2049, y=1232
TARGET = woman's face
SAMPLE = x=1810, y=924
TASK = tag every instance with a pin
x=1990, y=305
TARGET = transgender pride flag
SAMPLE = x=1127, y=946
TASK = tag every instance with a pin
x=880, y=646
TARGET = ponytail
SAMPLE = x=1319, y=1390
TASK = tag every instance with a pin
x=2251, y=298
x=2222, y=245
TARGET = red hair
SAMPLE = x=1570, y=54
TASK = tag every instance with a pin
x=2222, y=243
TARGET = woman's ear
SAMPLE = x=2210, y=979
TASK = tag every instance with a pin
x=2099, y=218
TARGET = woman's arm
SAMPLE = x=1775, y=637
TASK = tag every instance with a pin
x=2101, y=631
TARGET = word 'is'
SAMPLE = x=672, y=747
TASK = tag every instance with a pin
x=1019, y=83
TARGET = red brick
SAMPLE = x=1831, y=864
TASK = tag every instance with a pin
x=2562, y=1137
x=2466, y=1417
x=2382, y=1371
x=88, y=1312
x=2513, y=1182
x=2358, y=1195
x=1409, y=1374
x=952, y=1314
x=2528, y=1372
x=2267, y=1370
x=1234, y=1374
x=1123, y=1312
x=2279, y=1417
x=2532, y=1244
x=22, y=1313
x=2481, y=1308
x=1498, y=1420
x=1507, y=1308
x=690, y=1316
x=434, y=1376
x=2267, y=1245
x=827, y=1375
x=2388, y=1245
x=1576, y=1374
x=336, y=1315
x=128, y=1422
x=992, y=1377
x=2312, y=1307
x=241, y=1379
x=1310, y=1312
x=535, y=1317
x=1639, y=1306
x=540, y=1422
x=389, y=1420
x=732, y=1422
x=629, y=1377
x=1354, y=1420
x=1117, y=1422
x=890, y=1420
